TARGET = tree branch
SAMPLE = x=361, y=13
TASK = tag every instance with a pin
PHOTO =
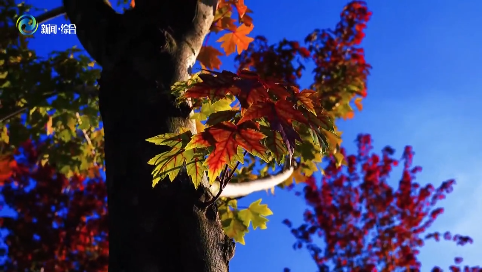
x=49, y=15
x=233, y=190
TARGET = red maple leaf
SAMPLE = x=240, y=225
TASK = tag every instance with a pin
x=226, y=138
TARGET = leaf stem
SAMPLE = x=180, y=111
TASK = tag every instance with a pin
x=222, y=184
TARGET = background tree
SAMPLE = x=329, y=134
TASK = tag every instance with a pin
x=142, y=53
x=61, y=223
x=356, y=221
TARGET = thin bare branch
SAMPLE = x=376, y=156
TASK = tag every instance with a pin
x=13, y=114
x=86, y=136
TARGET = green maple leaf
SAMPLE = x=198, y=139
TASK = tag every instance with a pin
x=256, y=214
x=195, y=165
x=234, y=228
x=167, y=164
x=173, y=140
x=209, y=108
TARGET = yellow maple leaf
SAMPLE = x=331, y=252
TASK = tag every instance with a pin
x=236, y=230
x=199, y=126
x=236, y=40
x=255, y=214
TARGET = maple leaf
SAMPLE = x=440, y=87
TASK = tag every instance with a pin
x=281, y=110
x=208, y=108
x=173, y=140
x=241, y=7
x=251, y=88
x=235, y=229
x=247, y=86
x=224, y=23
x=297, y=176
x=233, y=226
x=214, y=86
x=275, y=143
x=195, y=165
x=280, y=115
x=306, y=99
x=209, y=57
x=225, y=138
x=169, y=163
x=256, y=214
x=221, y=116
x=199, y=126
x=236, y=40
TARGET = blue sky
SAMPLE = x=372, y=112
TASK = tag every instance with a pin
x=424, y=91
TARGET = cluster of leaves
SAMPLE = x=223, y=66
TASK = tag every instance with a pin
x=235, y=32
x=61, y=223
x=261, y=117
x=50, y=99
x=363, y=223
x=274, y=120
x=236, y=221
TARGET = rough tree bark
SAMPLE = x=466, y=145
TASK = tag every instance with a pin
x=142, y=52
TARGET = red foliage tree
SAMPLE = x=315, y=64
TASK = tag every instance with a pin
x=364, y=223
x=60, y=223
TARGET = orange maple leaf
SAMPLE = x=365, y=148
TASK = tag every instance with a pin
x=226, y=138
x=225, y=23
x=236, y=40
x=209, y=57
x=241, y=7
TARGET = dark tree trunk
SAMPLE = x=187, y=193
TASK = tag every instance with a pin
x=142, y=53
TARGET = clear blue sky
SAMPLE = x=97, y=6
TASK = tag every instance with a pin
x=425, y=90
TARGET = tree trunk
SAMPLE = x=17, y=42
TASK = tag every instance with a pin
x=142, y=53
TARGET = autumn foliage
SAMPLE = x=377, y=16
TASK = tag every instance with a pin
x=60, y=223
x=357, y=221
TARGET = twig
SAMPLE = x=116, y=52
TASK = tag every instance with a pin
x=87, y=138
x=224, y=174
x=222, y=184
x=12, y=114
